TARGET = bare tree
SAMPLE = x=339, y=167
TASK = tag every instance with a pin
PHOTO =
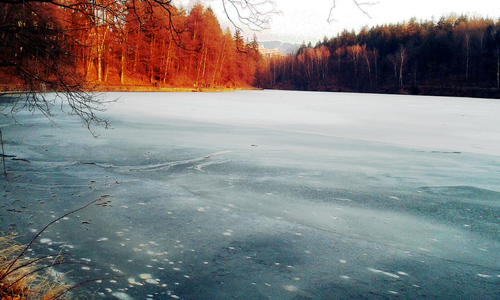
x=398, y=60
x=367, y=60
x=355, y=53
x=402, y=59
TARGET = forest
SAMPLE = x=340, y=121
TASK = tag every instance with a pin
x=456, y=55
x=49, y=45
x=71, y=45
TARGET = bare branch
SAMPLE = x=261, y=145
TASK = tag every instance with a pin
x=359, y=5
x=254, y=14
x=10, y=266
x=3, y=156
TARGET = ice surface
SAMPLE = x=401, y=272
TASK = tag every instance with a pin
x=438, y=123
x=266, y=194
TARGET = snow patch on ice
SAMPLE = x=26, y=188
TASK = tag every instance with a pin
x=46, y=241
x=383, y=272
x=133, y=282
x=122, y=296
x=291, y=288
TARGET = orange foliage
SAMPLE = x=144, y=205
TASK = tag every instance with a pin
x=184, y=49
x=142, y=42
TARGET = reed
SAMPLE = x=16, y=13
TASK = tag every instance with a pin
x=22, y=277
x=27, y=278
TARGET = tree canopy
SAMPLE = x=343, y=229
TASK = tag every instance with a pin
x=456, y=52
x=67, y=45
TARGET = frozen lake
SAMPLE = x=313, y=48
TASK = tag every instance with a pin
x=266, y=194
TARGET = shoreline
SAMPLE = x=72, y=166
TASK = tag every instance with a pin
x=459, y=92
x=16, y=89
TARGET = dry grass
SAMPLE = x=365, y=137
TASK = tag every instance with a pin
x=22, y=278
x=150, y=88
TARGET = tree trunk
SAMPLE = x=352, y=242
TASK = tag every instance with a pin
x=167, y=63
x=204, y=64
x=106, y=69
x=369, y=68
x=467, y=55
x=122, y=67
x=218, y=61
x=99, y=66
x=498, y=66
x=375, y=59
x=402, y=56
x=151, y=60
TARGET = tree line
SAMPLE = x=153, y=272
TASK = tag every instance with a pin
x=457, y=55
x=67, y=44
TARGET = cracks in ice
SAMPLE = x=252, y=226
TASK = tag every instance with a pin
x=199, y=167
x=199, y=162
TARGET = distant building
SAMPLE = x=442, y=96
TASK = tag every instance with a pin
x=270, y=53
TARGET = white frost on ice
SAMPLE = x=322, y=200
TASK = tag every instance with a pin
x=291, y=288
x=133, y=282
x=383, y=272
x=153, y=281
x=122, y=296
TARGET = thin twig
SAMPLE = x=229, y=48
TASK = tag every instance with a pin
x=46, y=267
x=3, y=156
x=31, y=262
x=358, y=4
x=254, y=14
x=40, y=232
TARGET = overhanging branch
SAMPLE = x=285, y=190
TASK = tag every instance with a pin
x=360, y=5
x=254, y=14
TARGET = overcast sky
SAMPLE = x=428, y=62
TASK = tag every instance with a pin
x=308, y=20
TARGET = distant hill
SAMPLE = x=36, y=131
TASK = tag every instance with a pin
x=286, y=48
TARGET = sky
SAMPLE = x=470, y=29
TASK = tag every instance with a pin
x=307, y=21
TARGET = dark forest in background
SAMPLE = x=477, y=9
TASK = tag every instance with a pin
x=456, y=55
